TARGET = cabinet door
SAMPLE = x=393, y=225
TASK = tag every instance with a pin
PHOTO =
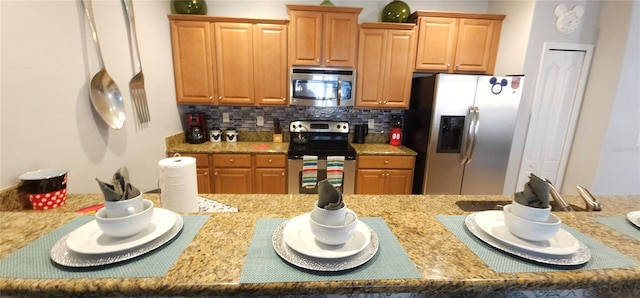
x=477, y=42
x=204, y=182
x=399, y=63
x=436, y=43
x=271, y=181
x=232, y=180
x=398, y=181
x=234, y=63
x=340, y=37
x=192, y=64
x=371, y=67
x=370, y=182
x=270, y=64
x=305, y=47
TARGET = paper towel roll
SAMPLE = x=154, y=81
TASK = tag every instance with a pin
x=179, y=184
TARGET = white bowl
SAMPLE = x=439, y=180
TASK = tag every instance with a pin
x=127, y=225
x=531, y=230
x=530, y=213
x=333, y=235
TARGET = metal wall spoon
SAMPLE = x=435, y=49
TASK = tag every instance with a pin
x=105, y=95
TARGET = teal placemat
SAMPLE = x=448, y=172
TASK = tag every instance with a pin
x=32, y=261
x=620, y=224
x=263, y=265
x=602, y=256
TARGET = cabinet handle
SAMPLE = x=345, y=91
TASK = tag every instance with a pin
x=380, y=102
x=327, y=61
x=211, y=98
x=231, y=160
x=205, y=173
x=270, y=160
x=384, y=102
x=457, y=65
x=448, y=65
x=318, y=60
x=219, y=97
x=386, y=162
x=215, y=173
x=282, y=173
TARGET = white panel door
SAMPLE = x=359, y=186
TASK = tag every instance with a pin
x=554, y=114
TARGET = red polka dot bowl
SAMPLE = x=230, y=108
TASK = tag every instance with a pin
x=46, y=189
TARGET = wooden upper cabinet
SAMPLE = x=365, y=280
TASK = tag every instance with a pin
x=477, y=45
x=457, y=42
x=436, y=44
x=229, y=61
x=270, y=64
x=234, y=62
x=386, y=57
x=192, y=61
x=323, y=35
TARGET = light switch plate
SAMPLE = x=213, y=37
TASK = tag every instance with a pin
x=225, y=117
x=372, y=124
x=260, y=121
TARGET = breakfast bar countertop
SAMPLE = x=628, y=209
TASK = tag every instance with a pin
x=212, y=263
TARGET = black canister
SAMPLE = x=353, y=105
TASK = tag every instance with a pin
x=360, y=132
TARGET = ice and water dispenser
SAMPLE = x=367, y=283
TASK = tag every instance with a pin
x=450, y=134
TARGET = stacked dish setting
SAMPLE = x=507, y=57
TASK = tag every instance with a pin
x=530, y=223
x=325, y=240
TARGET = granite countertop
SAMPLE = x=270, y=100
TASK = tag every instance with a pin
x=382, y=149
x=212, y=263
x=176, y=144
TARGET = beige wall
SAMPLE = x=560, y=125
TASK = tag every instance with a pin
x=606, y=82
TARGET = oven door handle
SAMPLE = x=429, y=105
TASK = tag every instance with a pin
x=339, y=91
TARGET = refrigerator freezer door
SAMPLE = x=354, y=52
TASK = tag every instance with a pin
x=497, y=100
x=454, y=95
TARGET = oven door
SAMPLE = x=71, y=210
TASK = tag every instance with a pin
x=322, y=88
x=294, y=179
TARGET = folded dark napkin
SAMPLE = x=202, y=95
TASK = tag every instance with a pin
x=120, y=189
x=536, y=193
x=328, y=196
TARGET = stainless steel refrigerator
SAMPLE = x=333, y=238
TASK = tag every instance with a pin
x=462, y=128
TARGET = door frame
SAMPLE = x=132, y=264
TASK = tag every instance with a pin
x=576, y=105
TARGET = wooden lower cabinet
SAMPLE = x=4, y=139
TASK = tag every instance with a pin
x=240, y=173
x=202, y=171
x=232, y=173
x=384, y=174
x=270, y=173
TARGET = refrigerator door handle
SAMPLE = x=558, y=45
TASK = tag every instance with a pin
x=466, y=137
x=476, y=121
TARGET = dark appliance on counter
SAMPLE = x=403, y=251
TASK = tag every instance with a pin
x=196, y=128
x=462, y=128
x=319, y=138
x=360, y=131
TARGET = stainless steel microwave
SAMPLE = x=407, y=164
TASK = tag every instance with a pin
x=322, y=87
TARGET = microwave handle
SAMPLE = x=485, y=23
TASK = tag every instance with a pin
x=339, y=91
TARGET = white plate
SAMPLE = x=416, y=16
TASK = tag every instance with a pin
x=297, y=235
x=62, y=255
x=580, y=257
x=89, y=239
x=634, y=218
x=324, y=265
x=561, y=244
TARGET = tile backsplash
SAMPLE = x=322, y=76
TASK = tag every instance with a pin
x=244, y=118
